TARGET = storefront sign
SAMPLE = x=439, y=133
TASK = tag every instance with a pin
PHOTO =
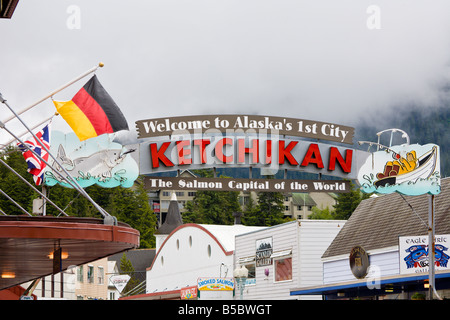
x=359, y=262
x=407, y=169
x=120, y=281
x=414, y=251
x=215, y=284
x=257, y=185
x=188, y=293
x=264, y=251
x=206, y=124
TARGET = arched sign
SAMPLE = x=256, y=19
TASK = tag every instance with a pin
x=225, y=141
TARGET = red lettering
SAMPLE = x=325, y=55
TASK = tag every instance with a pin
x=202, y=143
x=242, y=150
x=268, y=151
x=158, y=155
x=219, y=150
x=183, y=152
x=346, y=164
x=286, y=152
x=313, y=156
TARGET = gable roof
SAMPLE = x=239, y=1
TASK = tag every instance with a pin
x=141, y=259
x=303, y=199
x=378, y=222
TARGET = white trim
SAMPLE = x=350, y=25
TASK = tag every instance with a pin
x=370, y=252
x=279, y=254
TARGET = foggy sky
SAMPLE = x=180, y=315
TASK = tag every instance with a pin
x=314, y=60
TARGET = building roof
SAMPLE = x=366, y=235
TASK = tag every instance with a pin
x=141, y=259
x=378, y=222
x=173, y=217
x=303, y=199
x=225, y=234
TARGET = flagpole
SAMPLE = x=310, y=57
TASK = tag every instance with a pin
x=78, y=187
x=33, y=187
x=71, y=182
x=100, y=65
x=24, y=133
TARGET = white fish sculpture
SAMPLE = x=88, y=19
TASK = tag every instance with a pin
x=98, y=165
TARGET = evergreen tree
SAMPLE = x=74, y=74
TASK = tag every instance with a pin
x=212, y=207
x=13, y=186
x=271, y=208
x=347, y=202
x=126, y=267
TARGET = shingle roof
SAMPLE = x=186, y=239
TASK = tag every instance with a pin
x=141, y=259
x=378, y=222
x=302, y=199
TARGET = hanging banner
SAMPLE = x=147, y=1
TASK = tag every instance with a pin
x=408, y=169
x=94, y=161
x=414, y=251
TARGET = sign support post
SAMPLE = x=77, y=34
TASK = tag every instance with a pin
x=431, y=249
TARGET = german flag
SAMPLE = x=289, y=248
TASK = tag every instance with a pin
x=92, y=112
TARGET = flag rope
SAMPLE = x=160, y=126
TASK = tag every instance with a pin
x=100, y=65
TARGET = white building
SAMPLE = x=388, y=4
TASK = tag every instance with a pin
x=187, y=252
x=284, y=256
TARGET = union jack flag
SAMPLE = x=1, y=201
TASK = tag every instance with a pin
x=35, y=165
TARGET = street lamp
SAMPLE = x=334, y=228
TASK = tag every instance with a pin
x=241, y=274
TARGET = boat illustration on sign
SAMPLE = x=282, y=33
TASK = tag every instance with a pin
x=422, y=167
x=407, y=169
x=94, y=161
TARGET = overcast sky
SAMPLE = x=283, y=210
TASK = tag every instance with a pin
x=321, y=60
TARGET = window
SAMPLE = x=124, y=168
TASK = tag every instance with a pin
x=80, y=274
x=90, y=274
x=283, y=269
x=191, y=193
x=166, y=193
x=101, y=275
x=249, y=263
x=179, y=193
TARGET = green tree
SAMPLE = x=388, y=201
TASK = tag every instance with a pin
x=324, y=214
x=347, y=202
x=212, y=207
x=126, y=267
x=15, y=188
x=271, y=208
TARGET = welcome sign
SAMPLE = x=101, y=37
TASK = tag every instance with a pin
x=234, y=123
x=225, y=141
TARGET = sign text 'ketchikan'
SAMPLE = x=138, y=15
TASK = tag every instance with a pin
x=270, y=143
